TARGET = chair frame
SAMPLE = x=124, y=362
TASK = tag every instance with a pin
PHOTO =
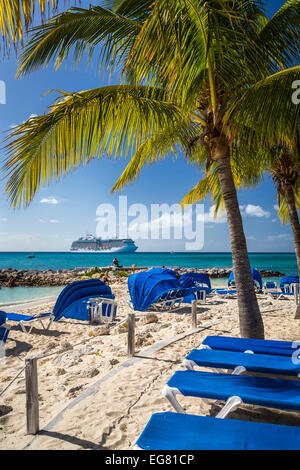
x=35, y=318
x=95, y=310
x=6, y=327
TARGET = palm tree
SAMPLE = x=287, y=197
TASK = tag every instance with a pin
x=192, y=71
x=16, y=16
x=284, y=169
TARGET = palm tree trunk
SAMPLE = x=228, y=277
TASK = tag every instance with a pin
x=251, y=324
x=294, y=220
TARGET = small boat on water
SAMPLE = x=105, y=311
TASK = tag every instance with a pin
x=31, y=256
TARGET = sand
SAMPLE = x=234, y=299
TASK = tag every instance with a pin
x=92, y=397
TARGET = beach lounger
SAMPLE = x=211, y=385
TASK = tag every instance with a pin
x=28, y=320
x=240, y=362
x=270, y=286
x=234, y=390
x=72, y=302
x=258, y=346
x=4, y=332
x=157, y=288
x=208, y=433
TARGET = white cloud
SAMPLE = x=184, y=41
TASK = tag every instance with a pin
x=278, y=237
x=256, y=211
x=51, y=221
x=209, y=217
x=49, y=200
x=3, y=219
x=251, y=238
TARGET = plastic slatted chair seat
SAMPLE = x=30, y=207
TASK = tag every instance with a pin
x=272, y=393
x=207, y=433
x=280, y=365
x=258, y=346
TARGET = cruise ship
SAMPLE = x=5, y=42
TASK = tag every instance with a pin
x=91, y=244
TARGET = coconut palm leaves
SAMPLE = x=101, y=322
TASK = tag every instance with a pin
x=79, y=30
x=17, y=15
x=79, y=127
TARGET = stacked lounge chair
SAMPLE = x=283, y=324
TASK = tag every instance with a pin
x=72, y=302
x=157, y=288
x=240, y=355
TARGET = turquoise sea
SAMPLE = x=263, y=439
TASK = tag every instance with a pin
x=283, y=262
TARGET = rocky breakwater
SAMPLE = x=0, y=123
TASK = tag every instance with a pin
x=38, y=278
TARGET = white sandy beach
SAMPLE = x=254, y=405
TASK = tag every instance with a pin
x=107, y=400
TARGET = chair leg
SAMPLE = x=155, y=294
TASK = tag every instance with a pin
x=24, y=328
x=238, y=370
x=170, y=394
x=189, y=364
x=231, y=405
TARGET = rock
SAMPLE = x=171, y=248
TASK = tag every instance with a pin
x=74, y=389
x=149, y=318
x=142, y=339
x=69, y=359
x=66, y=346
x=114, y=361
x=265, y=303
x=19, y=390
x=89, y=372
x=60, y=371
x=4, y=410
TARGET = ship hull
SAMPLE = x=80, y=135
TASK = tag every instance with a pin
x=124, y=249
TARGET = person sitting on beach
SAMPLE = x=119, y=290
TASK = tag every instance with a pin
x=116, y=263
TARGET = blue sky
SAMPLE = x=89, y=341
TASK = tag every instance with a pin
x=66, y=210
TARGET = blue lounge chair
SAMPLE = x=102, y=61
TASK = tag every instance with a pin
x=200, y=281
x=258, y=346
x=207, y=433
x=256, y=276
x=158, y=288
x=287, y=282
x=4, y=332
x=269, y=286
x=72, y=302
x=234, y=389
x=241, y=362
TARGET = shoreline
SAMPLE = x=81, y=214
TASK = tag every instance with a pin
x=10, y=277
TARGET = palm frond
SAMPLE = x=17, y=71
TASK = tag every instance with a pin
x=17, y=15
x=266, y=109
x=76, y=31
x=78, y=127
x=170, y=140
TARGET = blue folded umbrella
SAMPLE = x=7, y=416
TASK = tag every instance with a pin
x=256, y=276
x=207, y=433
x=258, y=346
x=269, y=392
x=280, y=365
x=148, y=288
x=71, y=303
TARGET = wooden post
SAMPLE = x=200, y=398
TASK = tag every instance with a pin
x=131, y=335
x=32, y=400
x=296, y=294
x=194, y=313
